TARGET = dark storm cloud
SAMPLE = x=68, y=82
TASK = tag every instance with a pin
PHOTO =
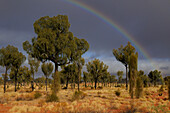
x=147, y=21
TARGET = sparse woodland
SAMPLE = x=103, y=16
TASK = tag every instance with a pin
x=72, y=89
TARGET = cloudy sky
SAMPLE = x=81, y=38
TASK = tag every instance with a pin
x=147, y=21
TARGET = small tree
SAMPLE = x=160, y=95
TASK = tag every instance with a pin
x=5, y=60
x=105, y=78
x=34, y=64
x=96, y=69
x=154, y=76
x=80, y=62
x=85, y=77
x=11, y=57
x=47, y=69
x=139, y=87
x=133, y=73
x=113, y=79
x=23, y=75
x=123, y=54
x=169, y=88
x=68, y=73
x=120, y=75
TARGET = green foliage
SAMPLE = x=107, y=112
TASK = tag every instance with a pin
x=166, y=79
x=34, y=64
x=78, y=95
x=52, y=98
x=117, y=92
x=1, y=80
x=169, y=88
x=11, y=57
x=85, y=77
x=120, y=75
x=68, y=73
x=100, y=87
x=123, y=54
x=37, y=95
x=96, y=69
x=47, y=69
x=105, y=77
x=54, y=42
x=154, y=76
x=133, y=73
x=23, y=75
x=139, y=87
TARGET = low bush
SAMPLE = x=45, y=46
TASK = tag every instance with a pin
x=169, y=88
x=37, y=95
x=78, y=95
x=147, y=92
x=52, y=98
x=118, y=85
x=160, y=91
x=100, y=87
x=117, y=92
x=27, y=97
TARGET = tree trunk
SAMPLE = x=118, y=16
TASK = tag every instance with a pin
x=85, y=84
x=18, y=85
x=67, y=83
x=126, y=78
x=79, y=72
x=5, y=80
x=154, y=83
x=95, y=83
x=33, y=83
x=46, y=82
x=56, y=84
x=16, y=80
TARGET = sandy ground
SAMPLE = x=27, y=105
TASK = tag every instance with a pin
x=100, y=100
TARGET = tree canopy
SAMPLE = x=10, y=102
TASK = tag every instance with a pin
x=47, y=69
x=123, y=54
x=96, y=68
x=54, y=42
x=154, y=76
x=11, y=57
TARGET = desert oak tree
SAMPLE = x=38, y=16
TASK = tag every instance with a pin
x=54, y=42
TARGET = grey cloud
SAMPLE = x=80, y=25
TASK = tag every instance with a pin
x=146, y=21
x=164, y=68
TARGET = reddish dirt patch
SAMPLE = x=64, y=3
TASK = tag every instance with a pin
x=5, y=108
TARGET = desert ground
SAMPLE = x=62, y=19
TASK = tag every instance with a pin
x=90, y=100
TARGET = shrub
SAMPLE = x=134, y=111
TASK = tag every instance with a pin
x=169, y=88
x=147, y=92
x=26, y=97
x=117, y=92
x=37, y=95
x=118, y=85
x=52, y=98
x=78, y=95
x=161, y=90
x=100, y=87
x=139, y=87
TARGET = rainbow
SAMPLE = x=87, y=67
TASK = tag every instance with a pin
x=111, y=23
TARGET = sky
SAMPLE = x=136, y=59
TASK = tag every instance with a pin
x=147, y=21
